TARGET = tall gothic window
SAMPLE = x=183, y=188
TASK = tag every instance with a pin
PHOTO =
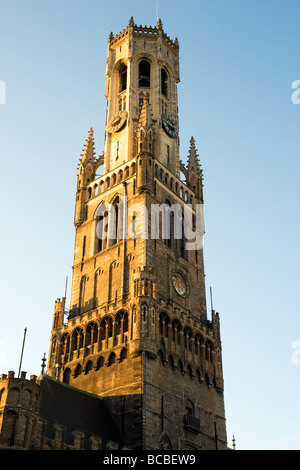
x=164, y=83
x=123, y=78
x=64, y=344
x=144, y=312
x=121, y=325
x=164, y=324
x=176, y=330
x=144, y=74
x=67, y=375
x=91, y=334
x=108, y=225
x=114, y=223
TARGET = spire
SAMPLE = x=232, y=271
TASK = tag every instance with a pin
x=193, y=164
x=89, y=149
x=87, y=161
x=194, y=173
x=145, y=118
x=145, y=128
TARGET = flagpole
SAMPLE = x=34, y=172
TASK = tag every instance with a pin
x=22, y=352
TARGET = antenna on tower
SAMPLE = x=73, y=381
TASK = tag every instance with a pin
x=211, y=300
x=22, y=352
x=66, y=287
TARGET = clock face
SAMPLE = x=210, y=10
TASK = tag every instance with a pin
x=117, y=122
x=180, y=284
x=169, y=126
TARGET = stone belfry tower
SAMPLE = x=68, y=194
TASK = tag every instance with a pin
x=137, y=331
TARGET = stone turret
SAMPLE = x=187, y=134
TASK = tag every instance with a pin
x=86, y=173
x=19, y=399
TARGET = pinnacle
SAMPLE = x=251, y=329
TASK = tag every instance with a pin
x=145, y=118
x=193, y=158
x=89, y=148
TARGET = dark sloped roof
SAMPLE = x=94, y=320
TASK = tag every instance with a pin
x=76, y=409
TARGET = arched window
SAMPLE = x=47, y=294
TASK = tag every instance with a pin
x=189, y=407
x=53, y=346
x=102, y=240
x=123, y=78
x=111, y=359
x=164, y=83
x=109, y=226
x=121, y=325
x=167, y=225
x=111, y=294
x=144, y=74
x=190, y=371
x=100, y=363
x=176, y=329
x=65, y=344
x=113, y=221
x=78, y=370
x=187, y=338
x=89, y=367
x=96, y=288
x=66, y=376
x=123, y=354
x=182, y=241
x=171, y=361
x=106, y=328
x=198, y=343
x=162, y=357
x=164, y=324
x=180, y=365
x=144, y=312
x=77, y=339
x=207, y=380
x=91, y=334
x=102, y=220
x=134, y=315
x=208, y=351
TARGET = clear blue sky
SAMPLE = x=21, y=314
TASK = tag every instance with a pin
x=238, y=59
